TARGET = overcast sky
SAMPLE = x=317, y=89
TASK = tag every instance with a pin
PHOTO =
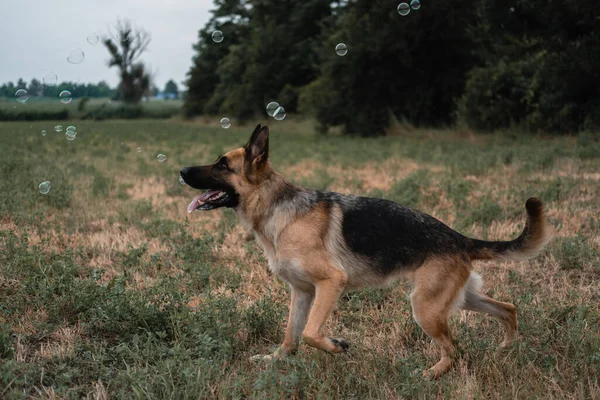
x=38, y=35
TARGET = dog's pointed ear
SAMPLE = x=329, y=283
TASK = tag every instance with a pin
x=257, y=149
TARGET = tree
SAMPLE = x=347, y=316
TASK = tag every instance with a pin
x=35, y=88
x=269, y=53
x=125, y=50
x=171, y=87
x=409, y=67
x=231, y=17
x=21, y=84
x=538, y=66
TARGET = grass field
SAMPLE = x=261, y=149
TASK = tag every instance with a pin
x=108, y=287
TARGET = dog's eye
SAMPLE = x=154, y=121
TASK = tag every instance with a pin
x=222, y=164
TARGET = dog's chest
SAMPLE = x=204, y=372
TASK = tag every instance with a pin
x=290, y=271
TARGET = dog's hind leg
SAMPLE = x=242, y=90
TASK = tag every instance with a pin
x=506, y=313
x=327, y=293
x=438, y=287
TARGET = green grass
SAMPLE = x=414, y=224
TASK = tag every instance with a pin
x=107, y=286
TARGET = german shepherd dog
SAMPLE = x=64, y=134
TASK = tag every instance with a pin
x=323, y=244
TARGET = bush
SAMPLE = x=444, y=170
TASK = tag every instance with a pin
x=33, y=115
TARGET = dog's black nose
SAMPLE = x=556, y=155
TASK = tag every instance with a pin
x=184, y=171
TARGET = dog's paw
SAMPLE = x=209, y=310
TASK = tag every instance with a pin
x=341, y=343
x=433, y=373
x=506, y=344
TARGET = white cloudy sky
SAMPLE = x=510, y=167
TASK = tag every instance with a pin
x=38, y=35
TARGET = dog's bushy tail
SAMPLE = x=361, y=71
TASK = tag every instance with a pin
x=535, y=236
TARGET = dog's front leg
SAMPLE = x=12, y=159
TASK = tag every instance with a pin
x=299, y=308
x=327, y=293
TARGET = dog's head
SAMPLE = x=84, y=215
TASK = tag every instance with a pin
x=232, y=176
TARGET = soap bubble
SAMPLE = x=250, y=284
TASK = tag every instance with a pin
x=58, y=128
x=161, y=158
x=217, y=36
x=271, y=107
x=341, y=49
x=45, y=187
x=21, y=95
x=403, y=9
x=65, y=97
x=181, y=180
x=76, y=56
x=139, y=149
x=415, y=4
x=279, y=114
x=43, y=132
x=70, y=135
x=71, y=128
x=93, y=39
x=50, y=78
x=225, y=122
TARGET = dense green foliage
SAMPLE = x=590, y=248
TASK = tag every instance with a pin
x=538, y=66
x=489, y=63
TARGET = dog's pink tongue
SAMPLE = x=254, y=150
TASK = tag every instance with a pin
x=199, y=200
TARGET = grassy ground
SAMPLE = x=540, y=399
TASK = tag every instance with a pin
x=108, y=287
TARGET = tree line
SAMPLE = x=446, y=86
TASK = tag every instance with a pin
x=35, y=88
x=487, y=63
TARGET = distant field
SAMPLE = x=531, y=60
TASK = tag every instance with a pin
x=108, y=287
x=37, y=109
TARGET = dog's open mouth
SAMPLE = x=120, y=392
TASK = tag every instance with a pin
x=209, y=200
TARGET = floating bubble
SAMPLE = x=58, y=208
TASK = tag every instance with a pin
x=271, y=107
x=217, y=36
x=93, y=39
x=225, y=122
x=415, y=4
x=511, y=10
x=139, y=149
x=58, y=128
x=71, y=128
x=50, y=78
x=161, y=158
x=43, y=132
x=70, y=135
x=76, y=56
x=341, y=49
x=279, y=113
x=65, y=97
x=403, y=9
x=21, y=95
x=45, y=187
x=181, y=180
